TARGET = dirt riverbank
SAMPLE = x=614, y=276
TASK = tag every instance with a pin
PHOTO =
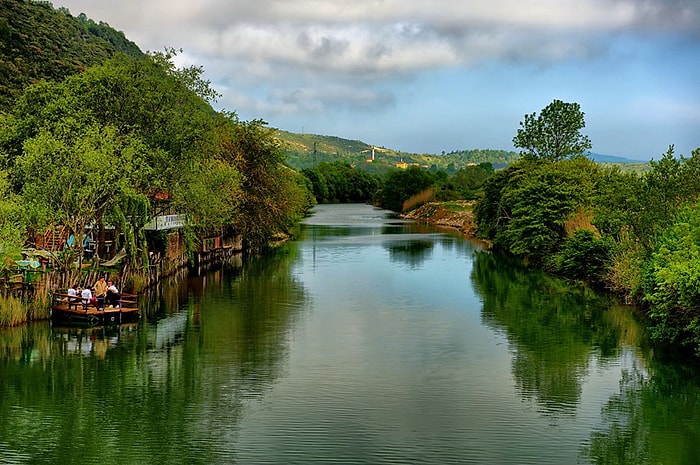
x=457, y=215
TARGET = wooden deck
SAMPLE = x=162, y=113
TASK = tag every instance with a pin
x=72, y=309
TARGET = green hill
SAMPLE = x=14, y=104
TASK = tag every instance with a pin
x=307, y=150
x=40, y=42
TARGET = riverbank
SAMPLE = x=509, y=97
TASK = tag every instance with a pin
x=456, y=214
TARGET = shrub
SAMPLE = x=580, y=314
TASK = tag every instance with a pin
x=583, y=256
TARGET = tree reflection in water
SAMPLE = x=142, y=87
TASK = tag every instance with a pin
x=655, y=417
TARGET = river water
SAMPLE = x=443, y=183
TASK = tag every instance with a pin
x=370, y=340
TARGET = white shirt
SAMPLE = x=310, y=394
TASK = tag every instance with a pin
x=86, y=295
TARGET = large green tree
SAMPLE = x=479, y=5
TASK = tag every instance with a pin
x=526, y=207
x=73, y=179
x=554, y=134
x=399, y=185
x=273, y=196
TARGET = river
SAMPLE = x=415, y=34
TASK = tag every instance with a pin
x=369, y=340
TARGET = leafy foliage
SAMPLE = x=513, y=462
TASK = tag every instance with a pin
x=340, y=182
x=583, y=256
x=75, y=180
x=554, y=134
x=38, y=42
x=672, y=281
x=400, y=185
x=273, y=195
x=11, y=221
x=525, y=207
x=467, y=181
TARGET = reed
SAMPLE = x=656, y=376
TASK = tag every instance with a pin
x=581, y=219
x=136, y=282
x=418, y=199
x=39, y=307
x=12, y=311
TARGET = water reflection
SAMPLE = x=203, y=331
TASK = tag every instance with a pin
x=556, y=330
x=166, y=390
x=394, y=344
x=654, y=419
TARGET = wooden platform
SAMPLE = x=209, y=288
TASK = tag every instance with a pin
x=74, y=310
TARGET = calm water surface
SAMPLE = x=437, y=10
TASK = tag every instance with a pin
x=368, y=341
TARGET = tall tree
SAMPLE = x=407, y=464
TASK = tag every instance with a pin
x=554, y=134
x=272, y=196
x=73, y=181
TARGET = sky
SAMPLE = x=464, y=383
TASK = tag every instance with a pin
x=438, y=75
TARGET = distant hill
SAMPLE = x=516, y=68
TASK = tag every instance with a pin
x=600, y=158
x=307, y=150
x=39, y=42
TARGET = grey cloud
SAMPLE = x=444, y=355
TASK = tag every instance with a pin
x=330, y=98
x=323, y=47
x=291, y=50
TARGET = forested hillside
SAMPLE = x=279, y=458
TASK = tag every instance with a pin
x=308, y=150
x=40, y=42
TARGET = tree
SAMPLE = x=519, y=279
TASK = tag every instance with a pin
x=554, y=134
x=470, y=178
x=74, y=179
x=526, y=207
x=400, y=185
x=273, y=196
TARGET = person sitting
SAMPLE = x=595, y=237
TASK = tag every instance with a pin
x=87, y=298
x=72, y=295
x=112, y=294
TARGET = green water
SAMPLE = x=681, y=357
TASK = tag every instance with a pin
x=367, y=341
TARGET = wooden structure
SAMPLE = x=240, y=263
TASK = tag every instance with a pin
x=73, y=309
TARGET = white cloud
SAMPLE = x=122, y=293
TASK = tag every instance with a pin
x=287, y=60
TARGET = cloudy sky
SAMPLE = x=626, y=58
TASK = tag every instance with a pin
x=438, y=75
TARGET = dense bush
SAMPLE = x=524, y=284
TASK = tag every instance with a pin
x=525, y=207
x=583, y=256
x=671, y=282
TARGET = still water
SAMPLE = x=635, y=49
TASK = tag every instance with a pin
x=370, y=340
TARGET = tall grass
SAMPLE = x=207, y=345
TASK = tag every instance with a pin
x=136, y=282
x=39, y=307
x=12, y=311
x=417, y=200
x=581, y=219
x=18, y=310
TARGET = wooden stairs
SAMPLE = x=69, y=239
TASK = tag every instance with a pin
x=54, y=238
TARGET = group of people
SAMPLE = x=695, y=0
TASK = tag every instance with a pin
x=105, y=294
